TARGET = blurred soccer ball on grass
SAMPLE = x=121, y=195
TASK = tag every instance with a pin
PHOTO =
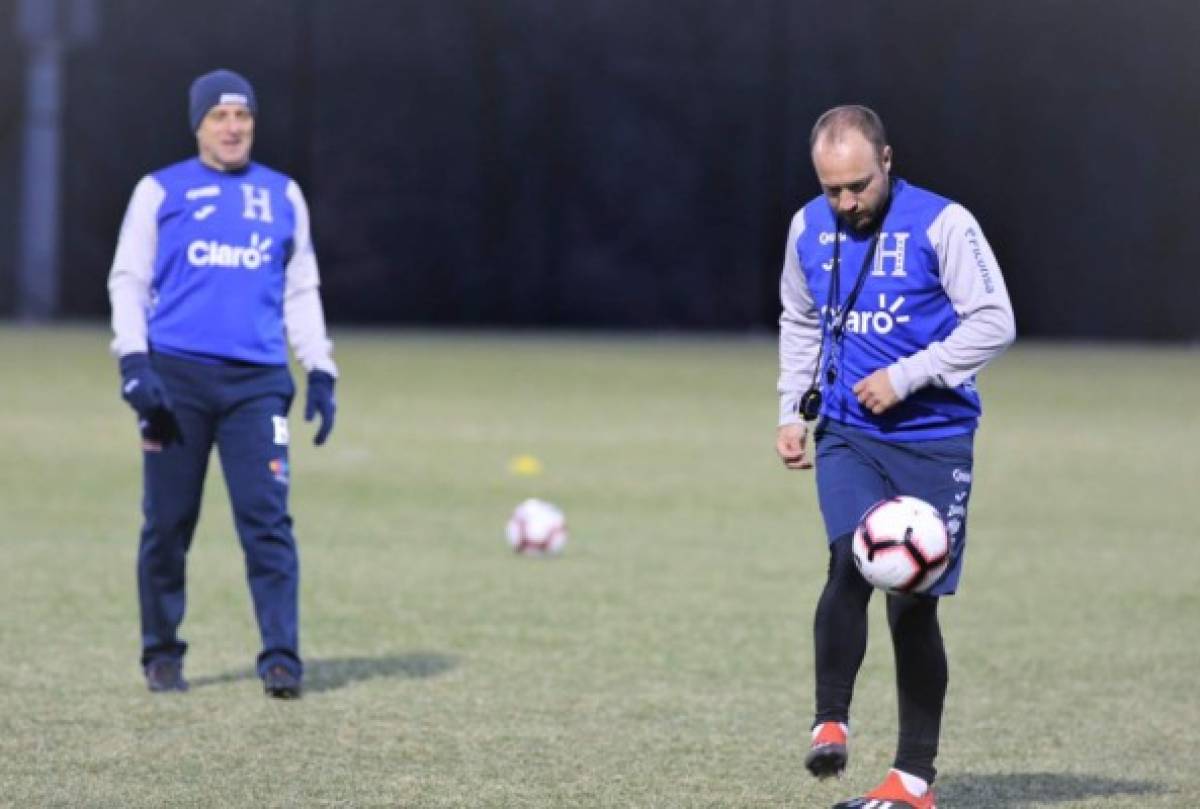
x=537, y=528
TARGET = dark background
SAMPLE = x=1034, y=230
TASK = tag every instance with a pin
x=614, y=163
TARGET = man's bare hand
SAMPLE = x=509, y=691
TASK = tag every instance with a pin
x=791, y=444
x=875, y=393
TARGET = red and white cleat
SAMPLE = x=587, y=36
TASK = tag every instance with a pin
x=891, y=794
x=829, y=752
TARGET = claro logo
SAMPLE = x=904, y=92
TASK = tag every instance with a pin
x=881, y=321
x=217, y=254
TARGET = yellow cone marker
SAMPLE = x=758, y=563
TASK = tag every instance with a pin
x=525, y=465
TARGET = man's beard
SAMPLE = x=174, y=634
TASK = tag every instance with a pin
x=868, y=221
x=861, y=222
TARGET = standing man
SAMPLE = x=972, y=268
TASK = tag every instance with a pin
x=892, y=302
x=214, y=267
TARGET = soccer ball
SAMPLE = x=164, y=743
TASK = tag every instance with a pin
x=537, y=528
x=901, y=545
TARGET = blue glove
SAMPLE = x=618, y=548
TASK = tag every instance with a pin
x=144, y=391
x=320, y=400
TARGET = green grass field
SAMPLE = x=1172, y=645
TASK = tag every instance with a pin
x=664, y=660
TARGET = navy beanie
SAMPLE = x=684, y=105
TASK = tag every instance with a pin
x=218, y=87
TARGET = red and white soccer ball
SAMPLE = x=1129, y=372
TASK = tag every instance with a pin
x=537, y=528
x=901, y=545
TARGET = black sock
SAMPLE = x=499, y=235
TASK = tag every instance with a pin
x=921, y=678
x=840, y=633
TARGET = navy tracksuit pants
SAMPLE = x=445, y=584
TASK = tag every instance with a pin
x=242, y=409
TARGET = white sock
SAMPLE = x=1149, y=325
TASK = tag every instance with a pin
x=915, y=786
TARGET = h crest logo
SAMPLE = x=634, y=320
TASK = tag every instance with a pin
x=896, y=254
x=257, y=203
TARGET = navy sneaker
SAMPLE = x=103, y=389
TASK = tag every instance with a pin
x=165, y=674
x=281, y=683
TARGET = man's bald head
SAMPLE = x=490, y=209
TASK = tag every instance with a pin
x=835, y=124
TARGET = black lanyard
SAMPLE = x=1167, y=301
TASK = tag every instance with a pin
x=837, y=326
x=834, y=329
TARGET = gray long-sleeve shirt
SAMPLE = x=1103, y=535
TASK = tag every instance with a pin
x=132, y=276
x=973, y=283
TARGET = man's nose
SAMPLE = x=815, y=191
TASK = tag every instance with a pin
x=847, y=202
